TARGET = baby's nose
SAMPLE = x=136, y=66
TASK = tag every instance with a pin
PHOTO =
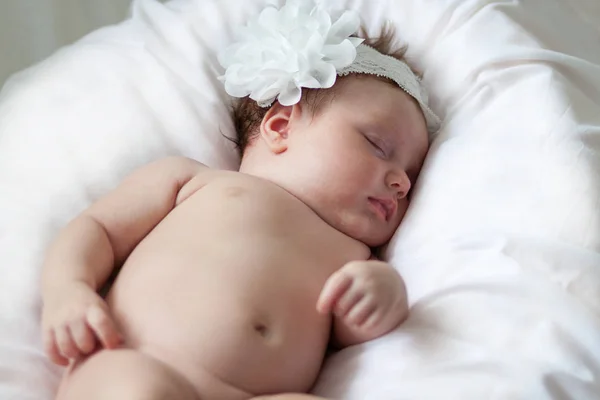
x=399, y=182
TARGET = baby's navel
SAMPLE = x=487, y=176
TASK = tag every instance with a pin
x=262, y=329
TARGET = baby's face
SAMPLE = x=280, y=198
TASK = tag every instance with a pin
x=354, y=162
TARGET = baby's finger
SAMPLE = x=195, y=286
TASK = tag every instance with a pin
x=52, y=350
x=65, y=343
x=348, y=300
x=104, y=327
x=373, y=320
x=334, y=288
x=360, y=312
x=83, y=336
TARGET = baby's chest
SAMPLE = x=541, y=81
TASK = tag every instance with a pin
x=253, y=221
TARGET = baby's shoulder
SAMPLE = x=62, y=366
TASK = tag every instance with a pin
x=219, y=182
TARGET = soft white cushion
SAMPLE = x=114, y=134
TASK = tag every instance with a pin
x=499, y=249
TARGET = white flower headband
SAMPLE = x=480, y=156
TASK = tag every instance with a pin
x=282, y=51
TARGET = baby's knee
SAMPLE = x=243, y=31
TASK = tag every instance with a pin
x=124, y=374
x=133, y=387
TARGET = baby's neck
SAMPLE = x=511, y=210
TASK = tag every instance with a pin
x=264, y=171
x=254, y=165
x=267, y=175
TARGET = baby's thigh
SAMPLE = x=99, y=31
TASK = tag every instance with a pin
x=124, y=374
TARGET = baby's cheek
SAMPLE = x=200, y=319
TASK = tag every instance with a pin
x=344, y=218
x=402, y=208
x=348, y=221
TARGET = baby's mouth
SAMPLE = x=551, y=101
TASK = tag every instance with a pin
x=384, y=208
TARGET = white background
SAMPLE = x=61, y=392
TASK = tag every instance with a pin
x=30, y=30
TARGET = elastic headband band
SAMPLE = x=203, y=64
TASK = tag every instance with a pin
x=370, y=61
x=282, y=51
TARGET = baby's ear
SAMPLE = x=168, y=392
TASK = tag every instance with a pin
x=276, y=126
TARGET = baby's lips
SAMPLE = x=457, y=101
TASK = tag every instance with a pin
x=387, y=205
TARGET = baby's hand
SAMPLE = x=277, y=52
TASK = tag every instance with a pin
x=72, y=320
x=368, y=297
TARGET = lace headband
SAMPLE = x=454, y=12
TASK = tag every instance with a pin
x=282, y=51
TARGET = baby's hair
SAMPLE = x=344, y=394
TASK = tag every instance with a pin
x=248, y=115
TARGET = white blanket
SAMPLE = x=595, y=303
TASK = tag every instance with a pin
x=500, y=248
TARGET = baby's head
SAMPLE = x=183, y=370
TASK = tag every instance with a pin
x=351, y=152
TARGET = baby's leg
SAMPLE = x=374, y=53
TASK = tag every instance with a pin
x=124, y=374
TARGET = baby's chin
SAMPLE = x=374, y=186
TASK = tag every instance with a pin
x=371, y=236
x=377, y=240
x=365, y=229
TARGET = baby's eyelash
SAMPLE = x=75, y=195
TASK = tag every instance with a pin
x=374, y=144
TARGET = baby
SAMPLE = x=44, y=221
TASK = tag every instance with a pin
x=233, y=284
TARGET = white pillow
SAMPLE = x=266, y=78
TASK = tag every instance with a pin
x=501, y=246
x=73, y=126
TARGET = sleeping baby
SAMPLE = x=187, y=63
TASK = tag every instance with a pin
x=232, y=285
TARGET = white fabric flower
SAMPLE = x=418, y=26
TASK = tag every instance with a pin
x=284, y=50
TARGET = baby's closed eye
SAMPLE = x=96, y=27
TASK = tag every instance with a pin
x=377, y=144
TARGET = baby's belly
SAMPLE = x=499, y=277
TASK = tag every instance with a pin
x=259, y=335
x=228, y=284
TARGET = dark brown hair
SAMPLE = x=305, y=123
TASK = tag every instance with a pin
x=248, y=115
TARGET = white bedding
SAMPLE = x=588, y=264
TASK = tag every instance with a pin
x=500, y=249
x=501, y=246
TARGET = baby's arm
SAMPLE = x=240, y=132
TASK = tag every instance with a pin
x=84, y=254
x=367, y=298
